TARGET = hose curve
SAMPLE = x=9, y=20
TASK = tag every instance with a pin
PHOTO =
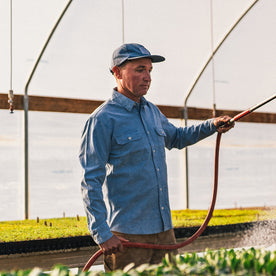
x=92, y=260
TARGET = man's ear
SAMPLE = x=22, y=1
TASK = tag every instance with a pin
x=117, y=72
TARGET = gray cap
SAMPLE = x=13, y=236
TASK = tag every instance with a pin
x=132, y=51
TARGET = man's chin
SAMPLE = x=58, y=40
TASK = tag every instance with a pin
x=143, y=92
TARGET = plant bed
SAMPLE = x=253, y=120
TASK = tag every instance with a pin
x=40, y=245
x=53, y=228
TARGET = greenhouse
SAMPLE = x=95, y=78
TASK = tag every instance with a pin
x=220, y=59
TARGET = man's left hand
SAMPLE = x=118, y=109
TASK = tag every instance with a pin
x=222, y=123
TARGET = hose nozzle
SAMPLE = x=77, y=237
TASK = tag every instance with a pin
x=247, y=111
x=226, y=124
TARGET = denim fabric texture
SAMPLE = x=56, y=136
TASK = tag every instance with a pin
x=124, y=184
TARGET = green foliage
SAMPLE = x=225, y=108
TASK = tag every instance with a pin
x=186, y=218
x=42, y=229
x=243, y=262
x=69, y=227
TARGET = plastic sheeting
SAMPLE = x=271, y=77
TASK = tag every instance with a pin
x=77, y=59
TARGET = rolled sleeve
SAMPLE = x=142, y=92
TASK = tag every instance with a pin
x=181, y=137
x=102, y=233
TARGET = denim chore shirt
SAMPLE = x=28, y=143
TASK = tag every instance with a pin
x=123, y=154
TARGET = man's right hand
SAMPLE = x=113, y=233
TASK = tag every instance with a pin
x=113, y=245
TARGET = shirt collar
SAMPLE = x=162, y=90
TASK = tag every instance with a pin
x=127, y=103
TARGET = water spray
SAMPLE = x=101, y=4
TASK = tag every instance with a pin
x=213, y=201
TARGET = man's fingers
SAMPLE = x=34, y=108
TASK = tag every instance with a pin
x=223, y=124
x=108, y=251
x=123, y=239
x=112, y=250
x=225, y=128
x=113, y=245
x=121, y=248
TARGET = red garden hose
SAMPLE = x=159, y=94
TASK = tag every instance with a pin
x=181, y=244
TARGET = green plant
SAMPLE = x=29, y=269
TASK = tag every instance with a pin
x=24, y=230
x=243, y=262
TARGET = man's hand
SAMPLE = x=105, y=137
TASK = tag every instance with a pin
x=113, y=245
x=222, y=125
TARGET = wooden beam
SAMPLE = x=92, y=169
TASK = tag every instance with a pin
x=51, y=104
x=69, y=105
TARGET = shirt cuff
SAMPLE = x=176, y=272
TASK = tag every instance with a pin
x=101, y=234
x=213, y=128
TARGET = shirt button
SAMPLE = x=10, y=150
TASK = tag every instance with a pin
x=153, y=150
x=129, y=138
x=147, y=132
x=161, y=189
x=162, y=208
x=158, y=169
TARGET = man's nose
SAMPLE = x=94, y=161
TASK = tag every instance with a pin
x=147, y=76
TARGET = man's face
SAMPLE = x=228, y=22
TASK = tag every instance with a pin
x=134, y=78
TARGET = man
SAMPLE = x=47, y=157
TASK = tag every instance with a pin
x=122, y=153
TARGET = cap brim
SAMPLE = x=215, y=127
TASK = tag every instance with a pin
x=154, y=58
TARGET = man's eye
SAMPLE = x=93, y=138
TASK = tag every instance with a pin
x=141, y=70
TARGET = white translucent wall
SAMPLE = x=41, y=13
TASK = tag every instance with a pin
x=31, y=23
x=245, y=65
x=11, y=165
x=77, y=59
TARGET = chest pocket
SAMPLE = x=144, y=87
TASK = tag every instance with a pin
x=130, y=148
x=160, y=132
x=127, y=138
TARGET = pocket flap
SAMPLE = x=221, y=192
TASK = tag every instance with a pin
x=160, y=131
x=127, y=138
